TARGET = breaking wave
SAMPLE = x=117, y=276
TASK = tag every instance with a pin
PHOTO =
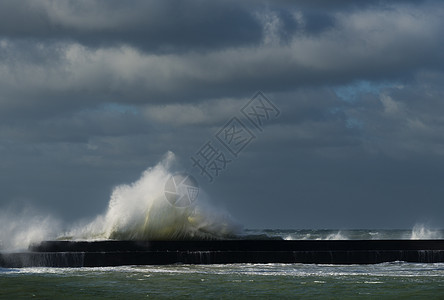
x=140, y=211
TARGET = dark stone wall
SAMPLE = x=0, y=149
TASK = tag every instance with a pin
x=115, y=253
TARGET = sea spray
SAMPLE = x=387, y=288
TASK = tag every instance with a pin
x=421, y=232
x=315, y=235
x=20, y=228
x=336, y=236
x=140, y=211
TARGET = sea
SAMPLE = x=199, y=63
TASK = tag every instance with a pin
x=393, y=280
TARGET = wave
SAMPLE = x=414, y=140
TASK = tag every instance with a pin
x=140, y=211
x=314, y=235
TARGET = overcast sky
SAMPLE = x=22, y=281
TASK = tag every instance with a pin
x=92, y=93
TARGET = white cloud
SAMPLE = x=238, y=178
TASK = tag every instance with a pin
x=391, y=107
x=209, y=112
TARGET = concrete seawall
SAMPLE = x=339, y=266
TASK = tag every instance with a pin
x=115, y=253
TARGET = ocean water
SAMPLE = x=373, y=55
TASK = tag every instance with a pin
x=388, y=280
x=419, y=231
x=393, y=280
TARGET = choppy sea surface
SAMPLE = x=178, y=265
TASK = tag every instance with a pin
x=393, y=280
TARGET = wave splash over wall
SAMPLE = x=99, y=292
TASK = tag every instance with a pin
x=140, y=211
x=20, y=227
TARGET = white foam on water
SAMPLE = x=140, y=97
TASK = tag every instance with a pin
x=316, y=236
x=335, y=236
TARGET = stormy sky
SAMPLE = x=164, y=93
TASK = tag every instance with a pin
x=92, y=93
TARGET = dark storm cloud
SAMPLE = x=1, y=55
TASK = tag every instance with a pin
x=149, y=25
x=93, y=92
x=374, y=43
x=165, y=26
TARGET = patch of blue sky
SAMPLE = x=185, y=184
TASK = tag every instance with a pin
x=354, y=123
x=352, y=92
